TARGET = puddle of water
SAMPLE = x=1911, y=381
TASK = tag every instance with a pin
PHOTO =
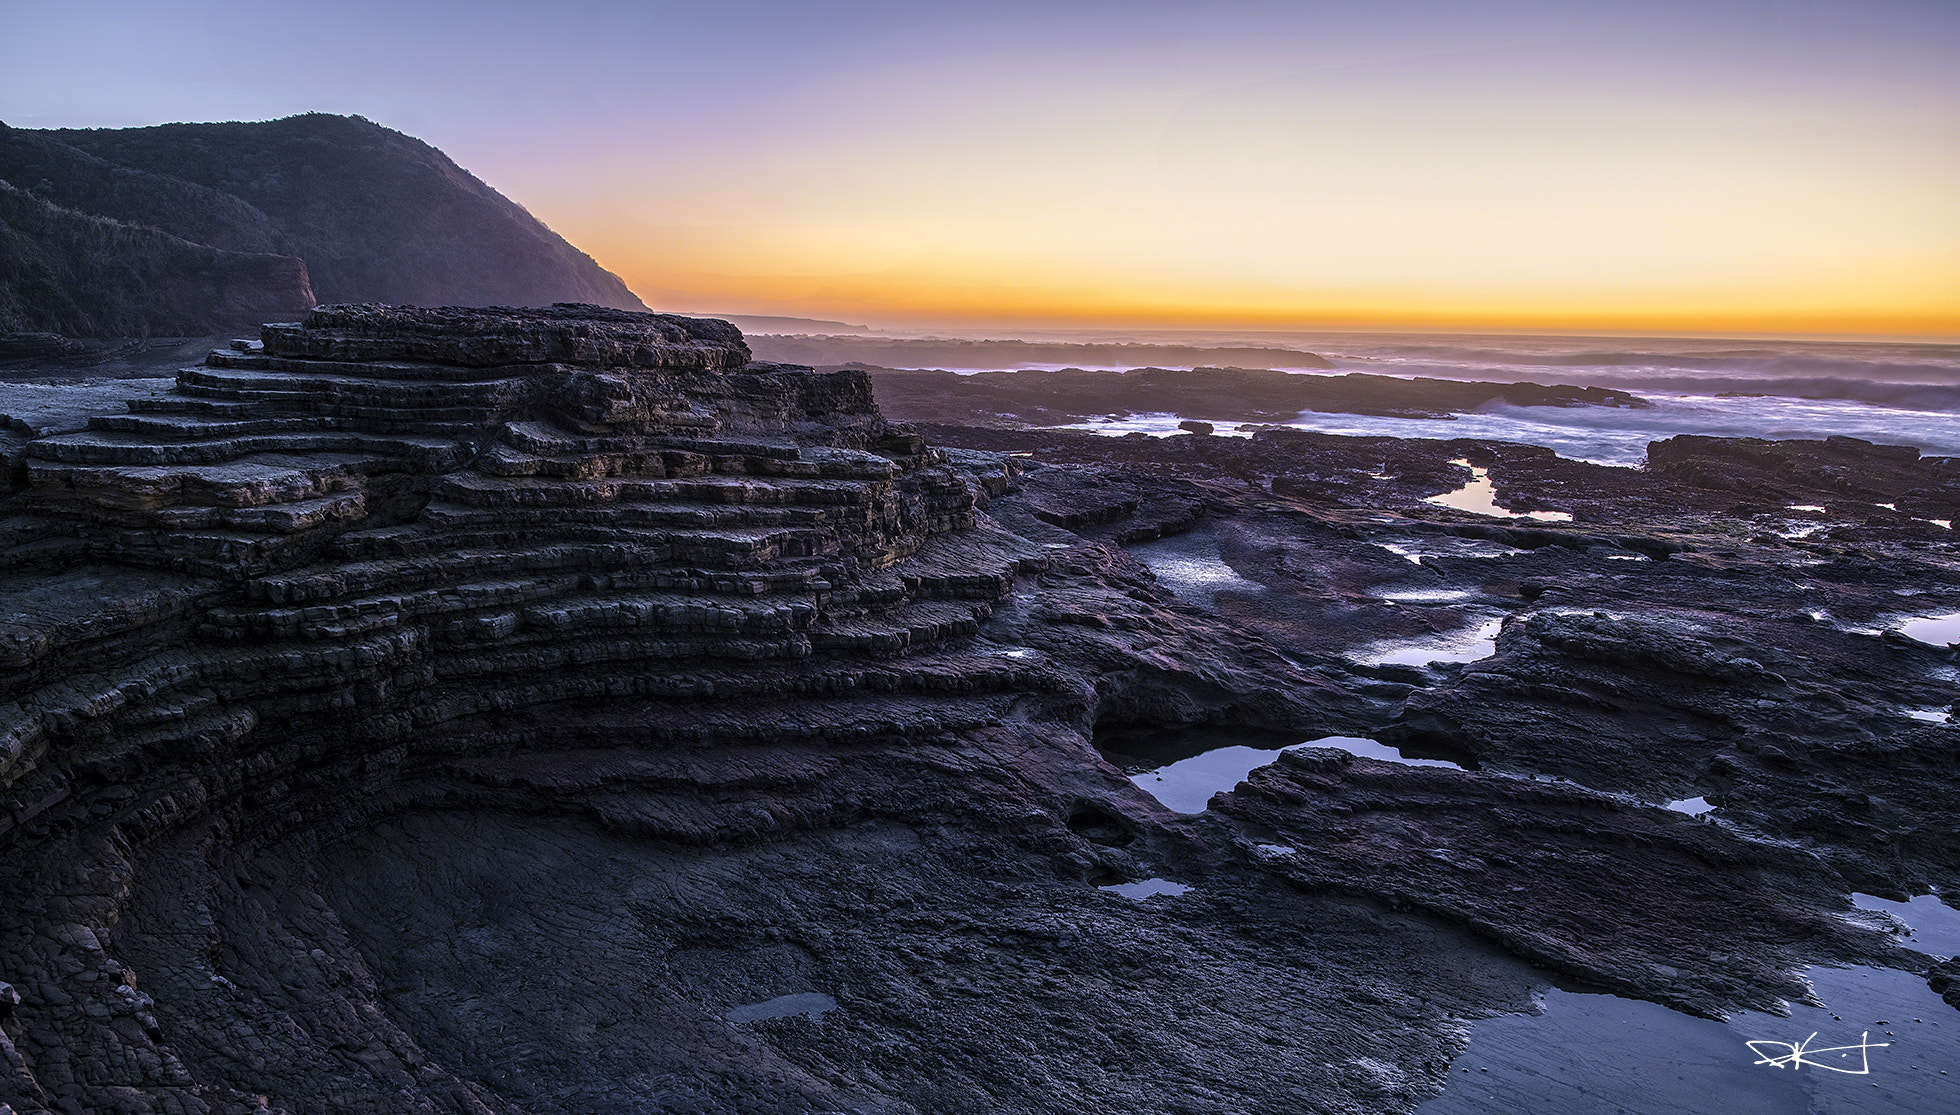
x=1146, y=888
x=1010, y=652
x=1937, y=630
x=1813, y=508
x=1370, y=749
x=1188, y=784
x=1466, y=645
x=1601, y=1053
x=1693, y=807
x=1183, y=769
x=1447, y=546
x=1479, y=497
x=1947, y=523
x=1275, y=851
x=1935, y=925
x=1428, y=596
x=1207, y=576
x=1887, y=506
x=1190, y=566
x=809, y=1004
x=1930, y=715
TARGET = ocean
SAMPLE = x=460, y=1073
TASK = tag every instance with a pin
x=1902, y=393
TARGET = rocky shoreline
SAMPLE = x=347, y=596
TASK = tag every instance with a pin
x=1218, y=394
x=491, y=711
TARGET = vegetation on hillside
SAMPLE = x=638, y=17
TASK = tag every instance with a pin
x=80, y=275
x=377, y=216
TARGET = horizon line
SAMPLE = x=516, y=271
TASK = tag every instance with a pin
x=1577, y=331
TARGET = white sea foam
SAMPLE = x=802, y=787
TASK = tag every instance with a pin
x=1898, y=394
x=1616, y=436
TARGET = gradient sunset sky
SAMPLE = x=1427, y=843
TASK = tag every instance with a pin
x=1740, y=166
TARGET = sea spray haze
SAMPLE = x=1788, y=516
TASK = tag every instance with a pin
x=1897, y=392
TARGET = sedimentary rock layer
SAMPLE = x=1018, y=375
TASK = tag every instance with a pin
x=484, y=711
x=389, y=560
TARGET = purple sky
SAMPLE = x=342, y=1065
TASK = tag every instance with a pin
x=1741, y=164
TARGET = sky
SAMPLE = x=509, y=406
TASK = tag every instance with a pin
x=1782, y=167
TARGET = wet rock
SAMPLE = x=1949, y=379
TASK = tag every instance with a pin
x=1216, y=394
x=1944, y=978
x=389, y=562
x=1529, y=864
x=419, y=732
x=1799, y=471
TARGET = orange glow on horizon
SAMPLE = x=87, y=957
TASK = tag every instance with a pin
x=1726, y=166
x=1551, y=184
x=905, y=298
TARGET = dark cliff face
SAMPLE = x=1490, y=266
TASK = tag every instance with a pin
x=376, y=216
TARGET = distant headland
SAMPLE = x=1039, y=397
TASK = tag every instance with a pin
x=194, y=229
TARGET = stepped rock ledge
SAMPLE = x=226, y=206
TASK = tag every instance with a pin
x=557, y=711
x=592, y=573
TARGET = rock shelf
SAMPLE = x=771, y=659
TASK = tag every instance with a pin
x=494, y=711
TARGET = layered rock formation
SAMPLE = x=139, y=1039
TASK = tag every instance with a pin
x=384, y=558
x=558, y=711
x=389, y=487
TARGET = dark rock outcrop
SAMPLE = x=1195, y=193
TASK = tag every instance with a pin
x=582, y=565
x=1217, y=394
x=1837, y=473
x=1945, y=979
x=499, y=711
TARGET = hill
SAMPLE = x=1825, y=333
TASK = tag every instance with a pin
x=375, y=215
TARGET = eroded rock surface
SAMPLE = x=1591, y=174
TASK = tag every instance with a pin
x=495, y=711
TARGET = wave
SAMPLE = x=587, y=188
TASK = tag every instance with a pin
x=1618, y=436
x=1914, y=376
x=1745, y=364
x=1925, y=394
